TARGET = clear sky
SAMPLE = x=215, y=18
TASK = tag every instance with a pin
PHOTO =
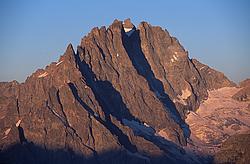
x=35, y=33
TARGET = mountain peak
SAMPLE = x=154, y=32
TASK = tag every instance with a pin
x=127, y=23
x=124, y=94
x=116, y=25
x=69, y=54
x=70, y=49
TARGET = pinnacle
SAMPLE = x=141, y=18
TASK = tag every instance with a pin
x=127, y=23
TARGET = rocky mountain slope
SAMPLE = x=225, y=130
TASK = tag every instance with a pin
x=244, y=93
x=122, y=97
x=234, y=150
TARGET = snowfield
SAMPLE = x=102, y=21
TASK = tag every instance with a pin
x=217, y=118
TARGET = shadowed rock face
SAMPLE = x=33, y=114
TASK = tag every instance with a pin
x=124, y=90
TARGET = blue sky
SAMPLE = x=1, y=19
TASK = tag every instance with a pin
x=35, y=33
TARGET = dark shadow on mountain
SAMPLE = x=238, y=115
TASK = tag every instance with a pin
x=21, y=135
x=132, y=46
x=30, y=153
x=107, y=96
x=111, y=103
x=122, y=138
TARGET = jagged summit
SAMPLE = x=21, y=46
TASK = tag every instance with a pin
x=125, y=91
x=128, y=27
x=70, y=49
x=127, y=23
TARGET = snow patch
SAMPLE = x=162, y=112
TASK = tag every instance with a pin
x=59, y=63
x=163, y=134
x=7, y=131
x=146, y=124
x=56, y=113
x=127, y=29
x=4, y=137
x=175, y=58
x=138, y=127
x=43, y=75
x=175, y=53
x=117, y=54
x=180, y=100
x=202, y=67
x=130, y=33
x=58, y=116
x=186, y=94
x=215, y=119
x=18, y=123
x=96, y=115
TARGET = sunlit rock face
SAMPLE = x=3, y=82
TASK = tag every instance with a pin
x=122, y=95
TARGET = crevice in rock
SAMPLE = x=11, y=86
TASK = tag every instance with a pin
x=21, y=134
x=196, y=69
x=65, y=123
x=70, y=130
x=90, y=130
x=45, y=138
x=61, y=106
x=17, y=107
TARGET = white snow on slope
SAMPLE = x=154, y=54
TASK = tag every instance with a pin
x=202, y=67
x=18, y=123
x=180, y=100
x=175, y=58
x=217, y=118
x=127, y=29
x=130, y=32
x=7, y=131
x=59, y=63
x=185, y=94
x=43, y=75
x=137, y=127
